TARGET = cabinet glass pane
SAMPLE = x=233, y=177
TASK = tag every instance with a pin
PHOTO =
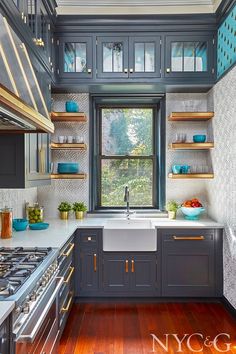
x=176, y=56
x=149, y=57
x=144, y=57
x=113, y=57
x=201, y=56
x=189, y=52
x=139, y=57
x=31, y=14
x=75, y=57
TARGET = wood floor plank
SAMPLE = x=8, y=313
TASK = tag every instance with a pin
x=124, y=328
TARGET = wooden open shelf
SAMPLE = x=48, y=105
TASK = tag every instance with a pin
x=191, y=176
x=191, y=146
x=68, y=117
x=58, y=146
x=190, y=116
x=68, y=176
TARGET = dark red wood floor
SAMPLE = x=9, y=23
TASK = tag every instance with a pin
x=125, y=328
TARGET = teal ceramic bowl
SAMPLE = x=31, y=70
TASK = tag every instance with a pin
x=39, y=226
x=20, y=224
x=67, y=167
x=192, y=213
x=199, y=138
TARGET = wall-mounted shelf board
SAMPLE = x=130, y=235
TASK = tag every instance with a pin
x=58, y=146
x=68, y=176
x=191, y=146
x=68, y=117
x=191, y=176
x=190, y=116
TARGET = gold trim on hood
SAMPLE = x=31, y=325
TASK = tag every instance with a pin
x=15, y=105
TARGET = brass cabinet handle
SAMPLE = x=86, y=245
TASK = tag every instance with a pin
x=69, y=275
x=89, y=71
x=72, y=245
x=191, y=238
x=132, y=266
x=126, y=266
x=95, y=262
x=66, y=309
x=168, y=70
x=131, y=70
x=126, y=71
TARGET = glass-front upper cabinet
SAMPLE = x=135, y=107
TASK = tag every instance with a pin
x=75, y=57
x=144, y=56
x=189, y=56
x=112, y=57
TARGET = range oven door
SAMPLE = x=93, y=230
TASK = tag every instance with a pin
x=40, y=334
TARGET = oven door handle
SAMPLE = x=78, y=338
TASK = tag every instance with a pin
x=31, y=336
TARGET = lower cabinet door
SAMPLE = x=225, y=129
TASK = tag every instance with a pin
x=143, y=274
x=188, y=264
x=115, y=273
x=88, y=270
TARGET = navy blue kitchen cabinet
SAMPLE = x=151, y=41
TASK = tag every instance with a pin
x=130, y=274
x=189, y=56
x=128, y=57
x=88, y=261
x=75, y=57
x=5, y=337
x=26, y=160
x=112, y=57
x=191, y=262
x=145, y=57
x=115, y=273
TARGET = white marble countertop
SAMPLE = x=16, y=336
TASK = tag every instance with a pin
x=60, y=231
x=6, y=308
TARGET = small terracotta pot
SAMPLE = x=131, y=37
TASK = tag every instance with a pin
x=172, y=215
x=79, y=214
x=64, y=215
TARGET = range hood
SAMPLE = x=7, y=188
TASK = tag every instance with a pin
x=22, y=105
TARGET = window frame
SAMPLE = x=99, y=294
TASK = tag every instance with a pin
x=158, y=156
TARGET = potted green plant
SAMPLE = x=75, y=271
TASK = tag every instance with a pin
x=79, y=208
x=172, y=206
x=64, y=208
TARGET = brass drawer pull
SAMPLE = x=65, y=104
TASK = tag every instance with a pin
x=132, y=266
x=66, y=309
x=191, y=238
x=72, y=245
x=95, y=262
x=126, y=266
x=69, y=275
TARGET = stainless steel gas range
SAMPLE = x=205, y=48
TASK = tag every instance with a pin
x=29, y=276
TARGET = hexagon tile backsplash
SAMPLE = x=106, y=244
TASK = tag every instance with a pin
x=16, y=199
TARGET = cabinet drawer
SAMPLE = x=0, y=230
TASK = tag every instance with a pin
x=89, y=238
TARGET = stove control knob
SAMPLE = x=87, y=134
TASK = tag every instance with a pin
x=18, y=310
x=26, y=309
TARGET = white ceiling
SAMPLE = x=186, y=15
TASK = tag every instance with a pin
x=85, y=7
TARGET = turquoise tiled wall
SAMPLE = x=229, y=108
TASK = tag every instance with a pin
x=226, y=50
